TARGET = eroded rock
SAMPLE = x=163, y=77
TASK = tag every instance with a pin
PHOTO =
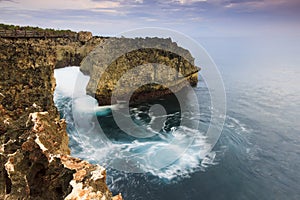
x=35, y=161
x=142, y=61
x=84, y=36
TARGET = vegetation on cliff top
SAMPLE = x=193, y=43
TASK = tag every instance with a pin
x=30, y=28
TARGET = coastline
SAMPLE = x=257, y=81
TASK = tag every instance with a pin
x=35, y=157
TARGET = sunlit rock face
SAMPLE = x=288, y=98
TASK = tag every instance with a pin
x=35, y=161
x=143, y=60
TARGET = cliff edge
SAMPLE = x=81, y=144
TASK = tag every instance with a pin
x=35, y=161
x=137, y=69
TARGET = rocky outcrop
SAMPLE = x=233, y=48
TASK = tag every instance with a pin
x=68, y=47
x=35, y=161
x=154, y=66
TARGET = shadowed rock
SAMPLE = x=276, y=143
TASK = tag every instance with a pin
x=35, y=161
x=153, y=66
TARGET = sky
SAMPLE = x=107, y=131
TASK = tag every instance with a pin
x=191, y=17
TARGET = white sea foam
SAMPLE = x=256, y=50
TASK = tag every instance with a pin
x=175, y=154
x=66, y=79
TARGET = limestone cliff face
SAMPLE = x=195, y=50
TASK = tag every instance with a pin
x=142, y=61
x=35, y=161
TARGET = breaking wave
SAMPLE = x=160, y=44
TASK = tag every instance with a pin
x=94, y=136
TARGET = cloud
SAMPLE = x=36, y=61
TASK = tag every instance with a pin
x=258, y=4
x=189, y=1
x=139, y=1
x=181, y=14
x=59, y=4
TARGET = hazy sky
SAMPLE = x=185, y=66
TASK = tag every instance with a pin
x=193, y=17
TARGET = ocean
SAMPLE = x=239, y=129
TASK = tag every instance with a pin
x=256, y=157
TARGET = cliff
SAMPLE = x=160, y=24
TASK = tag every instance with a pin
x=35, y=161
x=69, y=47
x=139, y=69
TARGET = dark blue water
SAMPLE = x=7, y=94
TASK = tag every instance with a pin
x=258, y=153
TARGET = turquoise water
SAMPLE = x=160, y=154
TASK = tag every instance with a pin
x=258, y=153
